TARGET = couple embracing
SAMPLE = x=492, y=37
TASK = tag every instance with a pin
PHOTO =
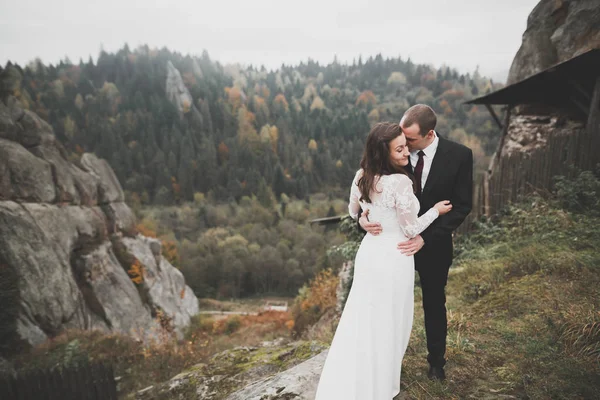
x=413, y=189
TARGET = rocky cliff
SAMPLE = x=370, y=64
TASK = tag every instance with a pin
x=557, y=30
x=69, y=247
x=178, y=94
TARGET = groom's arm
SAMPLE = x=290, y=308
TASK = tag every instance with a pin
x=360, y=228
x=462, y=202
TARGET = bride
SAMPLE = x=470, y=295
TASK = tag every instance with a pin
x=366, y=353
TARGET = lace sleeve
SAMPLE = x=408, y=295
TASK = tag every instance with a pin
x=407, y=209
x=353, y=204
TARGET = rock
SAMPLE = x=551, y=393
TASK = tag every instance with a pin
x=109, y=188
x=111, y=294
x=60, y=225
x=557, y=30
x=299, y=382
x=528, y=132
x=197, y=70
x=8, y=129
x=34, y=130
x=163, y=284
x=120, y=219
x=23, y=176
x=34, y=245
x=251, y=368
x=177, y=92
x=73, y=185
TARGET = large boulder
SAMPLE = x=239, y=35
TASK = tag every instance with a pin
x=176, y=90
x=109, y=188
x=557, y=30
x=23, y=176
x=62, y=225
x=161, y=280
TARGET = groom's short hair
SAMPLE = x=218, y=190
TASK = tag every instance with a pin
x=421, y=114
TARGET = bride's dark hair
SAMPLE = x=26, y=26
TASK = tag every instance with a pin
x=376, y=157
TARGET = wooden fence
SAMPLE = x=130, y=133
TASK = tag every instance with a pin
x=522, y=173
x=88, y=382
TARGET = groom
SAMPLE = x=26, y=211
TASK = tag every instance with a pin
x=443, y=170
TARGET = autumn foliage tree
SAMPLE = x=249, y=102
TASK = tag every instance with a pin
x=366, y=98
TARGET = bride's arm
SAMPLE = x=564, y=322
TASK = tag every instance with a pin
x=407, y=209
x=353, y=203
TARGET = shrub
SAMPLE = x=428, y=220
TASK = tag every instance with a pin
x=581, y=194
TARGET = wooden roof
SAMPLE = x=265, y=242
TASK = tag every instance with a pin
x=567, y=84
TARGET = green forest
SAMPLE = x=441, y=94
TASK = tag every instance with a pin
x=227, y=164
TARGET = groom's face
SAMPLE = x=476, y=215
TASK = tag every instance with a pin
x=414, y=140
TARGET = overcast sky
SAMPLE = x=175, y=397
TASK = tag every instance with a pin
x=461, y=33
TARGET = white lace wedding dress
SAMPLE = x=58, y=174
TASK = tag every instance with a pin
x=366, y=353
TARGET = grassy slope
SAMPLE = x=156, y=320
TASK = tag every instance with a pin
x=523, y=307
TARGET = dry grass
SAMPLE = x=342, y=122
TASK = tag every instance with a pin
x=142, y=364
x=523, y=319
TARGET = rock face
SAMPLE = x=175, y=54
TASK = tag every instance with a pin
x=177, y=93
x=299, y=382
x=273, y=371
x=67, y=242
x=557, y=30
x=528, y=132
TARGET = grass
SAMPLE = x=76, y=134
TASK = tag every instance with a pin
x=140, y=365
x=523, y=312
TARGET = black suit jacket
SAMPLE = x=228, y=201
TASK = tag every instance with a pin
x=450, y=178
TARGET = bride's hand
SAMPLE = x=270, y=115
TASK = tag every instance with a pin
x=443, y=207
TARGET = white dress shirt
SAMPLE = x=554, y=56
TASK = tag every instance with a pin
x=427, y=158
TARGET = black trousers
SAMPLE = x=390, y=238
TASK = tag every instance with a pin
x=433, y=286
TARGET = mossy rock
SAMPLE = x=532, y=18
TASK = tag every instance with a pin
x=229, y=371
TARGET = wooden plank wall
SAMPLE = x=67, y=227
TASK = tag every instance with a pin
x=519, y=173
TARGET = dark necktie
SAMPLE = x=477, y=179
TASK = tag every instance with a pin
x=419, y=172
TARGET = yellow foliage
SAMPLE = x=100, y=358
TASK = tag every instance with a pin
x=246, y=130
x=312, y=144
x=79, y=101
x=146, y=229
x=396, y=78
x=281, y=102
x=235, y=97
x=290, y=324
x=317, y=104
x=270, y=134
x=170, y=252
x=186, y=107
x=136, y=272
x=373, y=116
x=69, y=127
x=322, y=291
x=199, y=197
x=365, y=98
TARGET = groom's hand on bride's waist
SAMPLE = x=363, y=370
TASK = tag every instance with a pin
x=374, y=228
x=412, y=246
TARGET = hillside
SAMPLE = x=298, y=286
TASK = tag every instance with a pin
x=523, y=322
x=173, y=125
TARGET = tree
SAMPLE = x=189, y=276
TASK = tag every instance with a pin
x=366, y=98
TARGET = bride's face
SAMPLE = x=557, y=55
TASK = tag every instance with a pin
x=399, y=151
